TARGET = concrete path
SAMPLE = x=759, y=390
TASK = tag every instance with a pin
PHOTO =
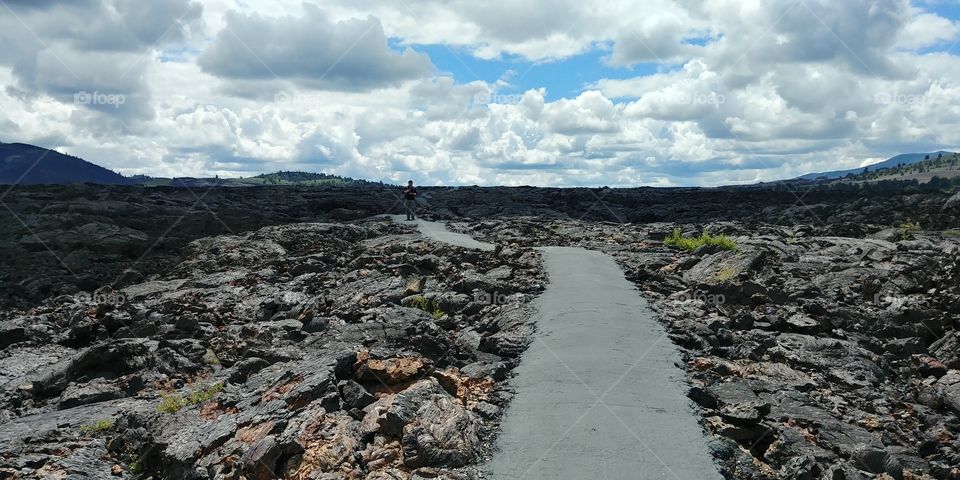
x=598, y=393
x=439, y=232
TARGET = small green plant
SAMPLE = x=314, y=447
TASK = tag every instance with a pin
x=174, y=402
x=135, y=467
x=908, y=230
x=205, y=395
x=97, y=427
x=725, y=274
x=676, y=239
x=954, y=233
x=210, y=358
x=420, y=302
x=428, y=306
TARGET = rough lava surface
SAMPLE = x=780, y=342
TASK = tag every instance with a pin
x=810, y=354
x=310, y=350
x=266, y=333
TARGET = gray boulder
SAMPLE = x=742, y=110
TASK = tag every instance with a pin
x=952, y=203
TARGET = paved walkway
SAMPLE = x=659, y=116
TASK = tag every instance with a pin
x=598, y=393
x=439, y=232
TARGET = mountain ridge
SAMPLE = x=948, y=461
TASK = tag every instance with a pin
x=26, y=164
x=901, y=159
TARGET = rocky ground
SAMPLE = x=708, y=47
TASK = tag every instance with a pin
x=67, y=239
x=137, y=340
x=812, y=353
x=299, y=351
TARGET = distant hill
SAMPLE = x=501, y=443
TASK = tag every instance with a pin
x=300, y=179
x=946, y=167
x=31, y=165
x=903, y=159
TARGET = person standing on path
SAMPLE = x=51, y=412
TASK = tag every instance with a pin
x=410, y=201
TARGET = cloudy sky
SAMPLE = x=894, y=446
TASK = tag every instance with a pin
x=534, y=92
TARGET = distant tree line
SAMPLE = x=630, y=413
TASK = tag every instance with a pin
x=941, y=162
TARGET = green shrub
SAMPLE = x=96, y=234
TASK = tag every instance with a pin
x=725, y=274
x=99, y=426
x=676, y=239
x=135, y=467
x=210, y=358
x=951, y=233
x=908, y=230
x=432, y=308
x=205, y=395
x=174, y=402
x=420, y=302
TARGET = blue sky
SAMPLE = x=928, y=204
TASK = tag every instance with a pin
x=944, y=8
x=659, y=92
x=562, y=78
x=947, y=9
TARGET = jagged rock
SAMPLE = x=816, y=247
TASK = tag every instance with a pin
x=949, y=386
x=388, y=371
x=745, y=413
x=242, y=370
x=947, y=350
x=443, y=433
x=471, y=281
x=877, y=461
x=723, y=267
x=952, y=203
x=266, y=458
x=327, y=443
x=802, y=324
x=188, y=322
x=415, y=286
x=749, y=434
x=465, y=388
x=380, y=455
x=801, y=468
x=511, y=332
x=813, y=344
x=392, y=413
x=354, y=395
x=316, y=324
x=244, y=360
x=92, y=392
x=449, y=301
x=793, y=443
x=11, y=333
x=494, y=370
x=116, y=357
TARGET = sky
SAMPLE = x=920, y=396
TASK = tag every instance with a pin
x=464, y=92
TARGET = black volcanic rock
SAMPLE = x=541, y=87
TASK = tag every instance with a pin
x=817, y=352
x=953, y=203
x=824, y=346
x=22, y=164
x=226, y=379
x=58, y=240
